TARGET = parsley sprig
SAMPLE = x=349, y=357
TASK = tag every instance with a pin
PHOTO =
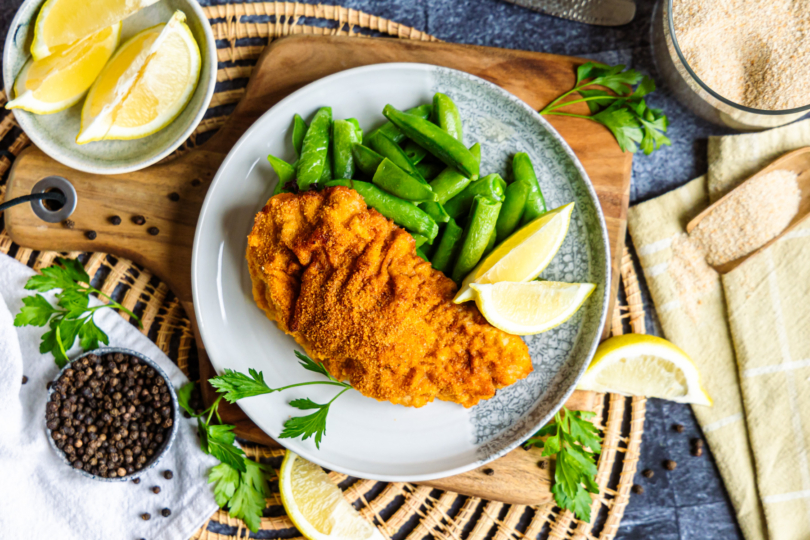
x=621, y=108
x=576, y=442
x=72, y=317
x=239, y=482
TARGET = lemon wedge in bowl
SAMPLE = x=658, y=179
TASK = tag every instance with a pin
x=146, y=84
x=62, y=22
x=642, y=365
x=316, y=505
x=529, y=308
x=522, y=256
x=59, y=81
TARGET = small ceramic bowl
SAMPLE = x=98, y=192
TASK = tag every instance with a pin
x=167, y=442
x=55, y=134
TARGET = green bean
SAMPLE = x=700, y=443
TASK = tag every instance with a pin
x=366, y=159
x=402, y=212
x=422, y=254
x=493, y=239
x=343, y=137
x=284, y=171
x=481, y=226
x=435, y=140
x=391, y=150
x=448, y=245
x=428, y=248
x=450, y=181
x=436, y=211
x=523, y=170
x=315, y=148
x=357, y=129
x=419, y=240
x=491, y=186
x=446, y=115
x=429, y=168
x=514, y=203
x=414, y=152
x=299, y=129
x=392, y=132
x=326, y=175
x=394, y=180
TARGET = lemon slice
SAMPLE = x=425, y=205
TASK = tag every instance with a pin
x=642, y=365
x=63, y=22
x=522, y=256
x=529, y=308
x=146, y=84
x=59, y=81
x=316, y=505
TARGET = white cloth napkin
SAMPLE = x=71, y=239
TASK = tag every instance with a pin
x=40, y=496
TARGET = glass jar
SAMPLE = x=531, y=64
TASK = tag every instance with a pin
x=697, y=95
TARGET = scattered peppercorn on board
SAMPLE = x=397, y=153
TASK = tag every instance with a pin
x=169, y=195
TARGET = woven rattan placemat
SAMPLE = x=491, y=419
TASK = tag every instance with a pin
x=400, y=510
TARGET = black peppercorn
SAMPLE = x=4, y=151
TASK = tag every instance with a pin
x=174, y=197
x=488, y=472
x=165, y=512
x=196, y=182
x=138, y=220
x=647, y=473
x=637, y=489
x=542, y=464
x=24, y=379
x=146, y=516
x=670, y=465
x=91, y=415
x=136, y=480
x=678, y=427
x=155, y=489
x=697, y=442
x=91, y=235
x=115, y=220
x=154, y=231
x=168, y=475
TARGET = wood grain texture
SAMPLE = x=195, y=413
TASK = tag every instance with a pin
x=285, y=66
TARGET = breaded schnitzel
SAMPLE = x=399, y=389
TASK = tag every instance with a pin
x=347, y=284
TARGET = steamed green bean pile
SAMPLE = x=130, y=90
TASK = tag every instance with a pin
x=416, y=170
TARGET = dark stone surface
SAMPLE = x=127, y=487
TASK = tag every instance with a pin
x=690, y=502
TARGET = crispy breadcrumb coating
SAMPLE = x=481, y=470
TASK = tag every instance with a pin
x=347, y=284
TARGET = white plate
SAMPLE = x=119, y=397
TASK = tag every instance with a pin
x=364, y=437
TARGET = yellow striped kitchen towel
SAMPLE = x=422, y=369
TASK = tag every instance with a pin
x=759, y=427
x=688, y=297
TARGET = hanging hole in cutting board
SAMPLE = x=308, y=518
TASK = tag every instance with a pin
x=54, y=211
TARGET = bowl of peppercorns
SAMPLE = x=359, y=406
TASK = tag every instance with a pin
x=111, y=414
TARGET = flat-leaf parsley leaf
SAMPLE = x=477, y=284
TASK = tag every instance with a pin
x=622, y=108
x=576, y=442
x=240, y=483
x=72, y=317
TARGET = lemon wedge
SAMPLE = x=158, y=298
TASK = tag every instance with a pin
x=59, y=81
x=63, y=22
x=522, y=256
x=642, y=365
x=316, y=505
x=145, y=85
x=529, y=308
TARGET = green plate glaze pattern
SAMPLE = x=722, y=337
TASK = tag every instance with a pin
x=498, y=121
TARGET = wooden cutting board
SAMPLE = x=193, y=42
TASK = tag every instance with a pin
x=285, y=66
